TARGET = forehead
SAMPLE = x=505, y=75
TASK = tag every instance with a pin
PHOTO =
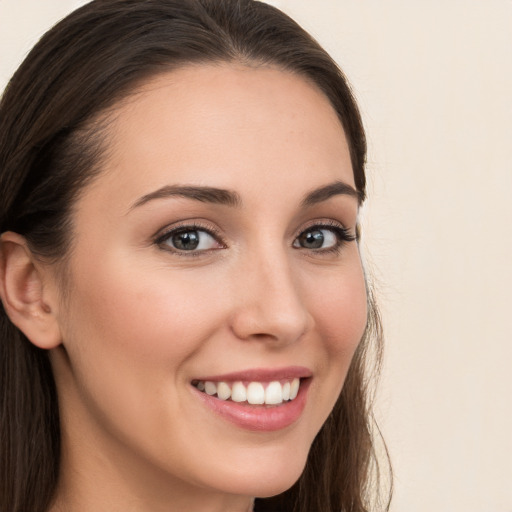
x=227, y=126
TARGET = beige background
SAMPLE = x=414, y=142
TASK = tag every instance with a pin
x=434, y=81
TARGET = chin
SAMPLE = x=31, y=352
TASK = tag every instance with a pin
x=276, y=487
x=270, y=486
x=267, y=476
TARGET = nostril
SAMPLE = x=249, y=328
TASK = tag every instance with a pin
x=277, y=330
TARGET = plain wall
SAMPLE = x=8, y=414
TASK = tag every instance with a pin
x=434, y=81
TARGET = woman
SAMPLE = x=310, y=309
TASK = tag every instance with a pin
x=185, y=318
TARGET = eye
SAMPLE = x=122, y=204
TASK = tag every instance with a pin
x=189, y=239
x=323, y=238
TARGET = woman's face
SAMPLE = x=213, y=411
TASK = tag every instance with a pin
x=216, y=246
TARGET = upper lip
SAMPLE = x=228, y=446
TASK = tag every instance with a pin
x=261, y=374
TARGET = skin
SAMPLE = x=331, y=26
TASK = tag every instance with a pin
x=141, y=321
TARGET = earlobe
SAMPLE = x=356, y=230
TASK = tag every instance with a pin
x=23, y=294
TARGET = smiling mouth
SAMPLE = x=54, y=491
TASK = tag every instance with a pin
x=274, y=392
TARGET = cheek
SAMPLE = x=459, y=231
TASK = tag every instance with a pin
x=129, y=335
x=341, y=312
x=339, y=307
x=139, y=313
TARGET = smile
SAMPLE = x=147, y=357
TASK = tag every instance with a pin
x=255, y=393
x=259, y=399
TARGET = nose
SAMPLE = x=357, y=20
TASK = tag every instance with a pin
x=269, y=303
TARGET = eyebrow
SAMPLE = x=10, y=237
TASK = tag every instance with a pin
x=198, y=193
x=231, y=198
x=333, y=189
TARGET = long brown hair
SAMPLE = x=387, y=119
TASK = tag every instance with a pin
x=51, y=147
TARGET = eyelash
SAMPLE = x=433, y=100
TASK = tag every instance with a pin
x=342, y=234
x=186, y=228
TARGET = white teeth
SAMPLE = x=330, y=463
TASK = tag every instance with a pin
x=294, y=388
x=274, y=393
x=256, y=393
x=223, y=391
x=238, y=393
x=210, y=388
x=286, y=391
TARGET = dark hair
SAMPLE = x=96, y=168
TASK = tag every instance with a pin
x=51, y=147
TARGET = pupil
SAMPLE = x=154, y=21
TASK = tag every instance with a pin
x=187, y=241
x=312, y=239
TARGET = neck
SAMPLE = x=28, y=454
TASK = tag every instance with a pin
x=67, y=502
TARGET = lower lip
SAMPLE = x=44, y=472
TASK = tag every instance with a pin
x=259, y=417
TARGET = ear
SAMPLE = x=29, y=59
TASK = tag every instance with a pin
x=23, y=293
